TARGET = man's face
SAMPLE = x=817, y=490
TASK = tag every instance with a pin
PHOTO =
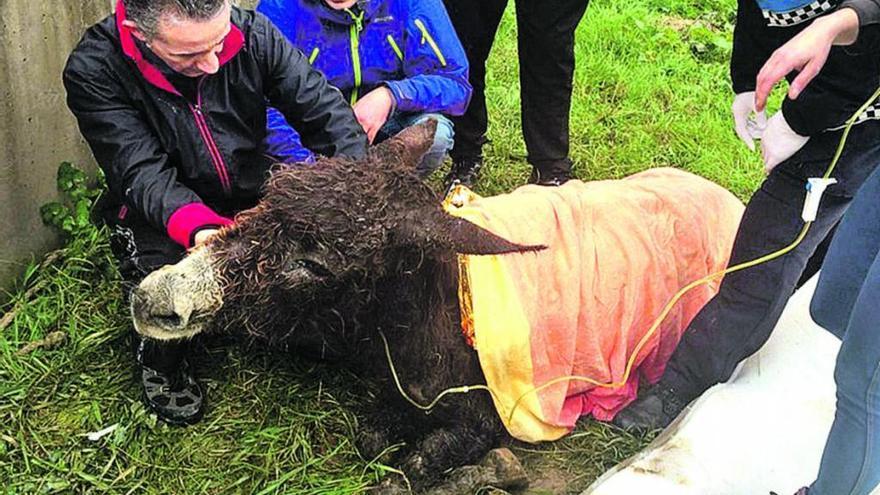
x=340, y=4
x=191, y=47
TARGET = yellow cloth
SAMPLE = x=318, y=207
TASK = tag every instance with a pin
x=618, y=250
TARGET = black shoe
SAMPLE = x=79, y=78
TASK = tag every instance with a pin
x=551, y=178
x=170, y=390
x=655, y=408
x=464, y=172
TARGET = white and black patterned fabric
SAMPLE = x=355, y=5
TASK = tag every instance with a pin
x=799, y=15
x=871, y=113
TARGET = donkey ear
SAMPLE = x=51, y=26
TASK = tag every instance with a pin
x=406, y=149
x=442, y=230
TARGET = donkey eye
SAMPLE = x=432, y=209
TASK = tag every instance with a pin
x=315, y=268
x=308, y=244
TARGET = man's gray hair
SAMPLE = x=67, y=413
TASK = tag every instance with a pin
x=147, y=13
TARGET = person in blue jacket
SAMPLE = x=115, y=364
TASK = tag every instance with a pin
x=398, y=62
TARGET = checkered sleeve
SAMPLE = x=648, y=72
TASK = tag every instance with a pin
x=867, y=10
x=799, y=15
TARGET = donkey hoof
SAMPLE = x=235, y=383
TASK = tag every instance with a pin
x=509, y=472
x=389, y=487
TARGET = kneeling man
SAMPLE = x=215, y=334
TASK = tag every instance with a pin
x=171, y=96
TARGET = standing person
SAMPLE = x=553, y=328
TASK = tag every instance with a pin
x=845, y=301
x=545, y=42
x=171, y=97
x=398, y=62
x=797, y=143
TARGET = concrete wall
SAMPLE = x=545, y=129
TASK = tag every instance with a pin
x=36, y=130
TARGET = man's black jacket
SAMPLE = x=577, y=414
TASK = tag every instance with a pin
x=849, y=77
x=186, y=154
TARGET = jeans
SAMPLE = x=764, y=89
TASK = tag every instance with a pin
x=443, y=138
x=292, y=151
x=739, y=319
x=847, y=303
x=545, y=43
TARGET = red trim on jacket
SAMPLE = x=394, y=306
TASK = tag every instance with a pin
x=231, y=46
x=190, y=218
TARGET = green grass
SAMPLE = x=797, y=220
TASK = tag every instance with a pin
x=651, y=90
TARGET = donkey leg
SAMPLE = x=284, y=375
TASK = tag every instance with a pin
x=500, y=469
x=381, y=427
x=448, y=447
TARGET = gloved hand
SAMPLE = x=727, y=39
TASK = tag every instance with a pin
x=747, y=128
x=779, y=142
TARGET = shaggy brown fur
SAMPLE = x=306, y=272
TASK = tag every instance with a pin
x=336, y=253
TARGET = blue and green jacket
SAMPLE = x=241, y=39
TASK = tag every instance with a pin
x=409, y=46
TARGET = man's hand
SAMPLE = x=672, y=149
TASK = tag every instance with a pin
x=202, y=236
x=806, y=53
x=746, y=128
x=779, y=142
x=373, y=109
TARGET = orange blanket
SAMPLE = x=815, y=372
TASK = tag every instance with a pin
x=617, y=252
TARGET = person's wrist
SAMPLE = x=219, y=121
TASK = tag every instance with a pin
x=786, y=127
x=393, y=107
x=840, y=27
x=826, y=28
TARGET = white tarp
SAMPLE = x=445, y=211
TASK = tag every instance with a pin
x=762, y=431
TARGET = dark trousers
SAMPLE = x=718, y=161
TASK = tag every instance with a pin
x=740, y=318
x=139, y=249
x=546, y=56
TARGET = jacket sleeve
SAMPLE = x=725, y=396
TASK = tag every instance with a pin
x=137, y=169
x=867, y=10
x=435, y=65
x=841, y=87
x=753, y=43
x=325, y=122
x=282, y=141
x=820, y=106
